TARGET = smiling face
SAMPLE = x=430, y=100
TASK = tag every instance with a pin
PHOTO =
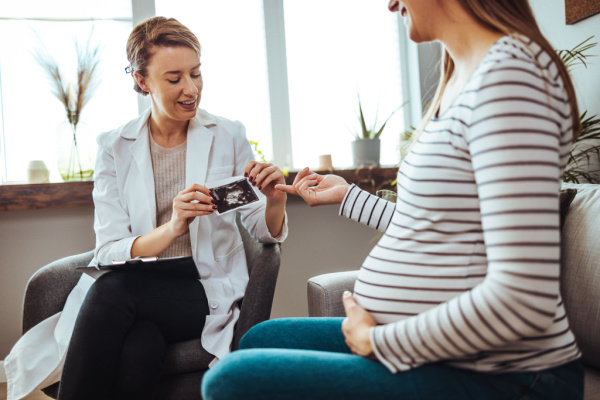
x=174, y=83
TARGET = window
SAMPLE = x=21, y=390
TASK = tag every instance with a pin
x=296, y=94
x=336, y=50
x=30, y=113
x=333, y=51
x=234, y=63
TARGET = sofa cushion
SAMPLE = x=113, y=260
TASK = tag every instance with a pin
x=566, y=198
x=580, y=283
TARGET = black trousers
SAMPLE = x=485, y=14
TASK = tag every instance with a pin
x=123, y=327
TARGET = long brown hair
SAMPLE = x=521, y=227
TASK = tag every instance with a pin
x=510, y=17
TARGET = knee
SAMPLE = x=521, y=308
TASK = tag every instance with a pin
x=227, y=379
x=261, y=335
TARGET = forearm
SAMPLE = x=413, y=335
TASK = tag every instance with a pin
x=275, y=215
x=367, y=209
x=154, y=242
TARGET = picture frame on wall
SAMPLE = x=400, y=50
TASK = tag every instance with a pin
x=577, y=10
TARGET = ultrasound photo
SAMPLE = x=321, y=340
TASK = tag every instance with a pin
x=233, y=195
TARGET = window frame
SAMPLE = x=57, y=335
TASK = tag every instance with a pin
x=278, y=82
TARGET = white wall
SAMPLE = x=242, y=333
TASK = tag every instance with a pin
x=28, y=241
x=551, y=18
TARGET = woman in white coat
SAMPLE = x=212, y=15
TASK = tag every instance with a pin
x=151, y=199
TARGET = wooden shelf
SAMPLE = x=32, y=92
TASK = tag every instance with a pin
x=79, y=194
x=46, y=195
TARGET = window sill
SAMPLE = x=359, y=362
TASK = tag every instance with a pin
x=45, y=195
x=79, y=194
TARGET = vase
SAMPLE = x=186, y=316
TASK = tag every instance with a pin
x=365, y=152
x=76, y=151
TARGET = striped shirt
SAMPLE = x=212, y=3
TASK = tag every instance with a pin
x=467, y=271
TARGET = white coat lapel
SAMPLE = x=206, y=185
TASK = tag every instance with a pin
x=199, y=144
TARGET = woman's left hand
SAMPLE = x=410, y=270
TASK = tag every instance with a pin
x=265, y=176
x=356, y=327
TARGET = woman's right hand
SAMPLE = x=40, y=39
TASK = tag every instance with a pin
x=190, y=203
x=317, y=189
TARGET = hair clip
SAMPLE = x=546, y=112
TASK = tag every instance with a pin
x=128, y=69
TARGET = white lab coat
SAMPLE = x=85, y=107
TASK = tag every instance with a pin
x=125, y=208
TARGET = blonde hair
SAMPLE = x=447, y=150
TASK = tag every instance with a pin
x=157, y=31
x=512, y=18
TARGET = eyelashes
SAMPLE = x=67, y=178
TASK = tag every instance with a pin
x=177, y=80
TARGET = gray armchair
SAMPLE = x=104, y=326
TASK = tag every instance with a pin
x=580, y=279
x=185, y=362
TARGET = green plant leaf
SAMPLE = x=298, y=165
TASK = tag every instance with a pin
x=587, y=143
x=380, y=131
x=365, y=133
x=373, y=133
x=578, y=54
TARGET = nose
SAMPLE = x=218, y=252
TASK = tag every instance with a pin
x=190, y=88
x=394, y=6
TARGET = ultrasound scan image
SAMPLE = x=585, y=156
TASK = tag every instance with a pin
x=233, y=195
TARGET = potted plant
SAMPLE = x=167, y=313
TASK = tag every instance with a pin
x=366, y=147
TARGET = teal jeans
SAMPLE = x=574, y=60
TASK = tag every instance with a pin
x=307, y=358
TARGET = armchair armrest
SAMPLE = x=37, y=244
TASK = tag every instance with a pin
x=325, y=293
x=263, y=267
x=48, y=289
x=258, y=300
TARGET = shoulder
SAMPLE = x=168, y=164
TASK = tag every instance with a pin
x=127, y=132
x=519, y=63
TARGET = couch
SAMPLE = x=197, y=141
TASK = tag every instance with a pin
x=185, y=362
x=580, y=278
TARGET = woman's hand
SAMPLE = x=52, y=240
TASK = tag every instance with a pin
x=356, y=327
x=265, y=176
x=190, y=203
x=317, y=189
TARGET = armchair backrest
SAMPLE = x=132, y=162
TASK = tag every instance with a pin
x=580, y=280
x=48, y=289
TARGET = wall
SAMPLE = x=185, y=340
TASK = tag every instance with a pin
x=28, y=241
x=550, y=15
x=320, y=241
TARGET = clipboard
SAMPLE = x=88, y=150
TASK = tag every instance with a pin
x=183, y=267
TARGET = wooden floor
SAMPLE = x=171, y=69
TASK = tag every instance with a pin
x=34, y=396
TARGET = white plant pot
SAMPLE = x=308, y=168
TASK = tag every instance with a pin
x=365, y=152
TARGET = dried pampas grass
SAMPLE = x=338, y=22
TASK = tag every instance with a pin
x=74, y=95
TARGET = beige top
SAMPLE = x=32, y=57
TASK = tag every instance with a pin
x=168, y=166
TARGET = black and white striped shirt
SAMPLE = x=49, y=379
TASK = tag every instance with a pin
x=467, y=271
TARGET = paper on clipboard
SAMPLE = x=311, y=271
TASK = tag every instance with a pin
x=183, y=267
